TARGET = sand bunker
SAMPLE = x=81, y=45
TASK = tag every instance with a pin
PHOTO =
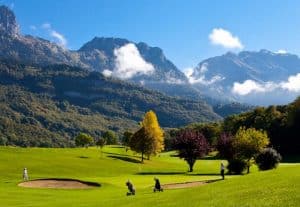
x=59, y=183
x=186, y=184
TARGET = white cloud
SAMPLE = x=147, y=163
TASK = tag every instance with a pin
x=142, y=82
x=248, y=86
x=293, y=83
x=281, y=51
x=224, y=38
x=203, y=68
x=251, y=86
x=129, y=63
x=58, y=37
x=202, y=80
x=107, y=73
x=173, y=80
x=61, y=40
x=189, y=73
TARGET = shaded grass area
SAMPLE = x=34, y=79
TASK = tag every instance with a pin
x=291, y=159
x=111, y=167
x=127, y=159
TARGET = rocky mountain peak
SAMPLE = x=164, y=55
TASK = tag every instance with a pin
x=107, y=44
x=8, y=23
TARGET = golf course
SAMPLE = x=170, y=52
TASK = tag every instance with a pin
x=112, y=166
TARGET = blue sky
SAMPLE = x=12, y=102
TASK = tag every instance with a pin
x=183, y=29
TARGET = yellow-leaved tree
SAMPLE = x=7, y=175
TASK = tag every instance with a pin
x=153, y=131
x=149, y=139
x=248, y=143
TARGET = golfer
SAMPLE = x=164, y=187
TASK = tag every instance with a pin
x=222, y=170
x=25, y=174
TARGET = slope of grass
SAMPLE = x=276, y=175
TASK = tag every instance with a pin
x=112, y=168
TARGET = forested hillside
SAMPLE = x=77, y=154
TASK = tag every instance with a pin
x=48, y=106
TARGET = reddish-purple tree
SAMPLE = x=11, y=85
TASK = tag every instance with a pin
x=224, y=146
x=190, y=145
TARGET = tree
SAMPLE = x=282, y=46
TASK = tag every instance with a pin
x=141, y=143
x=211, y=131
x=149, y=139
x=83, y=140
x=225, y=146
x=247, y=143
x=153, y=132
x=268, y=159
x=100, y=142
x=291, y=140
x=227, y=151
x=236, y=166
x=110, y=137
x=3, y=141
x=190, y=145
x=126, y=139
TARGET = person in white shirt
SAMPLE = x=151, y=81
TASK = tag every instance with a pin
x=25, y=174
x=222, y=170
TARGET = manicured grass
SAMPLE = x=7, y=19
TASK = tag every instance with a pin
x=113, y=167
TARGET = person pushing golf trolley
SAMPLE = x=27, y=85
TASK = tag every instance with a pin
x=157, y=186
x=130, y=188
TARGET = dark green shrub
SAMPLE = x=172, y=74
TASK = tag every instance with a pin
x=268, y=159
x=236, y=166
x=110, y=137
x=100, y=142
x=83, y=140
x=3, y=141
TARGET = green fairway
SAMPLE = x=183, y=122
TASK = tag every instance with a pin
x=113, y=167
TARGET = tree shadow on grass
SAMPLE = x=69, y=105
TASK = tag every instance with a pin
x=212, y=181
x=179, y=173
x=113, y=146
x=121, y=155
x=127, y=159
x=161, y=173
x=83, y=157
x=205, y=174
x=211, y=158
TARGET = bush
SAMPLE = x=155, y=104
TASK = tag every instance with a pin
x=3, y=141
x=100, y=142
x=268, y=159
x=110, y=137
x=83, y=139
x=236, y=166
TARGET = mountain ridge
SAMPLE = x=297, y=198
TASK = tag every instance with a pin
x=44, y=105
x=263, y=71
x=99, y=54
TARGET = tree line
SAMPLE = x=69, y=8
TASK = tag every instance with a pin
x=241, y=148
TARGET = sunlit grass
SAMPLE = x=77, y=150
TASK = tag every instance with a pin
x=113, y=167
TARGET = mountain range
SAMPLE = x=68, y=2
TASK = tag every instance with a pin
x=49, y=105
x=118, y=79
x=258, y=78
x=218, y=80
